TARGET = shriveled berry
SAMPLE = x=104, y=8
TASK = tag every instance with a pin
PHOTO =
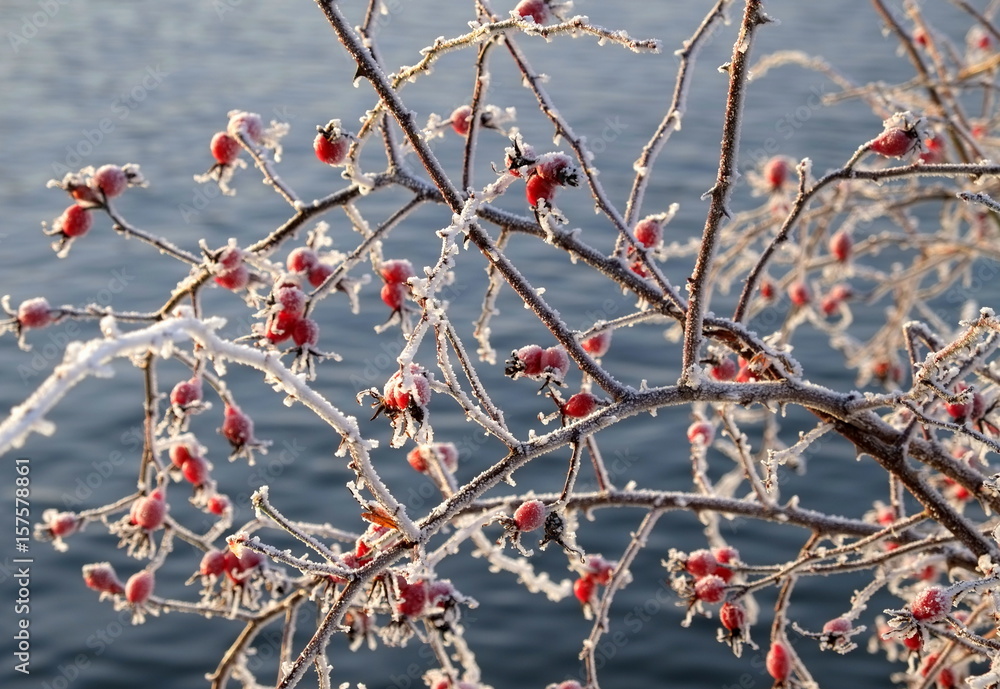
x=579, y=405
x=74, y=222
x=302, y=260
x=186, y=392
x=778, y=664
x=34, y=313
x=710, y=588
x=931, y=605
x=225, y=149
x=237, y=427
x=396, y=270
x=139, y=587
x=598, y=345
x=530, y=515
x=461, y=119
x=111, y=180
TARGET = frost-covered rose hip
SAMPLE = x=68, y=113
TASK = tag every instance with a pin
x=218, y=504
x=799, y=293
x=537, y=10
x=724, y=369
x=225, y=149
x=397, y=270
x=302, y=260
x=461, y=119
x=149, y=511
x=701, y=432
x=34, y=313
x=247, y=124
x=579, y=405
x=583, y=589
x=281, y=326
x=393, y=295
x=710, y=588
x=778, y=664
x=598, y=345
x=196, y=471
x=237, y=427
x=332, y=143
x=558, y=168
x=306, y=332
x=530, y=515
x=700, y=563
x=213, y=563
x=421, y=456
x=776, y=172
x=732, y=616
x=649, y=232
x=412, y=598
x=111, y=180
x=539, y=189
x=900, y=137
x=101, y=576
x=186, y=392
x=319, y=273
x=931, y=605
x=526, y=361
x=139, y=587
x=74, y=222
x=841, y=245
x=396, y=395
x=555, y=360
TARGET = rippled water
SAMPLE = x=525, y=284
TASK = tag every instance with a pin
x=149, y=82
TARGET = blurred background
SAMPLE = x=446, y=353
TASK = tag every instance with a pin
x=89, y=82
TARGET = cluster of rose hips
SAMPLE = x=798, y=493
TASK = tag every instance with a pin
x=395, y=274
x=403, y=400
x=287, y=316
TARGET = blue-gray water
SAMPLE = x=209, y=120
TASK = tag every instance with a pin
x=159, y=78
